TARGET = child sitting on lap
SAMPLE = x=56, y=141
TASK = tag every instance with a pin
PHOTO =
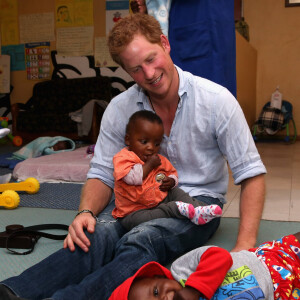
x=146, y=182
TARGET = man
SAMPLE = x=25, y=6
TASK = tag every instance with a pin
x=204, y=129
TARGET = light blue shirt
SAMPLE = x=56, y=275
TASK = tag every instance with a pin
x=209, y=130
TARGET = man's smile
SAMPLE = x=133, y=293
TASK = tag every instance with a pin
x=157, y=80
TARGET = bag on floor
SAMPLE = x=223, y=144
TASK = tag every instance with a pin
x=20, y=237
x=271, y=119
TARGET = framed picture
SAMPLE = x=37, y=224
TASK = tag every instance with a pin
x=289, y=3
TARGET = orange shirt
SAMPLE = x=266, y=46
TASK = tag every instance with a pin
x=130, y=198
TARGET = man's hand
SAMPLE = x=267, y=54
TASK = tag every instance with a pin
x=238, y=248
x=76, y=234
x=94, y=197
x=187, y=293
x=244, y=245
x=167, y=184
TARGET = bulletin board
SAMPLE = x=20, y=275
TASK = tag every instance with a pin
x=33, y=13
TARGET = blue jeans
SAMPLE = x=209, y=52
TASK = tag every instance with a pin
x=114, y=256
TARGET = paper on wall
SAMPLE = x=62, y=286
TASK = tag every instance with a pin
x=102, y=56
x=9, y=22
x=36, y=28
x=17, y=56
x=4, y=74
x=75, y=41
x=74, y=13
x=115, y=10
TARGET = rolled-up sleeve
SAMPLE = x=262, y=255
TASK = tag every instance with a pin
x=235, y=139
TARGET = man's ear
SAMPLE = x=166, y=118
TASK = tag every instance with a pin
x=165, y=42
x=127, y=142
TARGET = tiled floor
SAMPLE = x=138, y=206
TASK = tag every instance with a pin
x=282, y=183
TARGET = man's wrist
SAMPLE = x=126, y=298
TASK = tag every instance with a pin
x=86, y=211
x=244, y=245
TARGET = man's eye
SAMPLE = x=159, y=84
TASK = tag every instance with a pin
x=155, y=292
x=149, y=60
x=135, y=70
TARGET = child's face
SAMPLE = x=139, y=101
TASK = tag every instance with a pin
x=144, y=138
x=61, y=145
x=155, y=288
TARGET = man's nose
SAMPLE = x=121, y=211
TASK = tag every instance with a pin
x=148, y=72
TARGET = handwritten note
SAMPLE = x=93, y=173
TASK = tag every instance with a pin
x=37, y=28
x=74, y=41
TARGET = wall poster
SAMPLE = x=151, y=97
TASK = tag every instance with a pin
x=37, y=57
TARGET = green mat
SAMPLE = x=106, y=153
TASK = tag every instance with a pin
x=11, y=265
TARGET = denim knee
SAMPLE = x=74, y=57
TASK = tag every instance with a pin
x=164, y=239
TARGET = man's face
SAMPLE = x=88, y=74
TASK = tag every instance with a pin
x=150, y=65
x=144, y=139
x=155, y=288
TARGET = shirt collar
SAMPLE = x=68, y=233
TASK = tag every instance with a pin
x=143, y=98
x=182, y=82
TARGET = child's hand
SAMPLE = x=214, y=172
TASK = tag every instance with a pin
x=167, y=184
x=153, y=161
x=187, y=293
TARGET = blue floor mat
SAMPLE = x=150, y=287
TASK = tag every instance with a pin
x=53, y=195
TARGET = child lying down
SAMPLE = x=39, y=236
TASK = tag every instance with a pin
x=270, y=271
x=38, y=147
x=43, y=146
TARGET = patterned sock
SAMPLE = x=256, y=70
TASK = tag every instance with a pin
x=204, y=214
x=186, y=209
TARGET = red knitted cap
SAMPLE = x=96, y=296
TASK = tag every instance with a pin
x=150, y=269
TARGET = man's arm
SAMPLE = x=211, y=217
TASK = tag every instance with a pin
x=252, y=200
x=95, y=197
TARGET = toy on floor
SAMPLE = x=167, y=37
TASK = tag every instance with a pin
x=9, y=199
x=30, y=185
x=5, y=132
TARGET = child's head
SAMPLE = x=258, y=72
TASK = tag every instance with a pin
x=144, y=134
x=151, y=281
x=62, y=145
